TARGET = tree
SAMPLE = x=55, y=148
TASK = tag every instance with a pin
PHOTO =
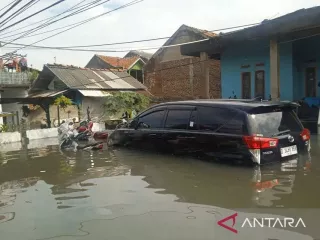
x=63, y=102
x=33, y=76
x=120, y=102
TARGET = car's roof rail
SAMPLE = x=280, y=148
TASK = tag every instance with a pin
x=237, y=100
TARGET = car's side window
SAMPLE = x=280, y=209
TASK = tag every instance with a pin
x=152, y=120
x=220, y=120
x=236, y=125
x=178, y=119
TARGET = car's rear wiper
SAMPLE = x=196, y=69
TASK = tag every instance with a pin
x=280, y=133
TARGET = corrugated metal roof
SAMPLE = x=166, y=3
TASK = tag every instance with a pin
x=94, y=93
x=79, y=78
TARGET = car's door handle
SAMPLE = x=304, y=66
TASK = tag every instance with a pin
x=152, y=134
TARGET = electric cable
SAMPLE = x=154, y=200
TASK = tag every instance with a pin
x=88, y=20
x=40, y=11
x=18, y=12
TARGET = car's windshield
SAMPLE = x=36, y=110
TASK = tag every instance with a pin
x=274, y=123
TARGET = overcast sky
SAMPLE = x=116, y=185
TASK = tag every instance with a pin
x=147, y=19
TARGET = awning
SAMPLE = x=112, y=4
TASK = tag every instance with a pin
x=94, y=93
x=46, y=94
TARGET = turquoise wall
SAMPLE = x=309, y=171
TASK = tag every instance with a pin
x=292, y=56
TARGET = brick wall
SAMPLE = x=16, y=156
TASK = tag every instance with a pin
x=181, y=78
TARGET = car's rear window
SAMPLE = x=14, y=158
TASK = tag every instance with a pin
x=270, y=123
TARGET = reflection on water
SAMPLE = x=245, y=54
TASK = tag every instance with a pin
x=44, y=184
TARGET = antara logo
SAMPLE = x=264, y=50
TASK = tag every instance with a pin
x=261, y=222
x=222, y=223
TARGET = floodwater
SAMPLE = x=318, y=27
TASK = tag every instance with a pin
x=126, y=194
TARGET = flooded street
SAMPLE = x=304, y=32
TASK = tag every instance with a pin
x=125, y=194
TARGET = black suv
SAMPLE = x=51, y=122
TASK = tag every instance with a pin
x=245, y=130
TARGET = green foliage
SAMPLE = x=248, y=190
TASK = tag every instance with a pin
x=33, y=76
x=125, y=101
x=4, y=128
x=63, y=102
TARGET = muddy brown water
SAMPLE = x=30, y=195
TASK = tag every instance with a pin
x=127, y=194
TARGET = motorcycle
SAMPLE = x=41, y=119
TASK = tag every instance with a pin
x=68, y=137
x=86, y=128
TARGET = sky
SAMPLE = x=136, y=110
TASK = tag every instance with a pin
x=144, y=20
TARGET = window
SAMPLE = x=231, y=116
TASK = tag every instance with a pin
x=236, y=125
x=178, y=119
x=220, y=120
x=269, y=123
x=259, y=84
x=152, y=120
x=246, y=85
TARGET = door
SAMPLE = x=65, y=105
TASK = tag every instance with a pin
x=148, y=131
x=220, y=132
x=259, y=84
x=177, y=135
x=246, y=85
x=311, y=82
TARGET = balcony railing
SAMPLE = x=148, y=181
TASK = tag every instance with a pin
x=14, y=79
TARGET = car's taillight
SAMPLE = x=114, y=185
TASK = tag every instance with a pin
x=305, y=134
x=254, y=142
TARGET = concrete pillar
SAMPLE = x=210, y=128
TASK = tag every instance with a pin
x=204, y=60
x=274, y=70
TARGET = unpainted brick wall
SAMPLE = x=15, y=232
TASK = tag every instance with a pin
x=181, y=78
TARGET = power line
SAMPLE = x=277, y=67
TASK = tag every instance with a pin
x=115, y=50
x=7, y=5
x=52, y=30
x=49, y=23
x=120, y=43
x=88, y=20
x=49, y=18
x=8, y=10
x=15, y=14
x=52, y=5
x=86, y=8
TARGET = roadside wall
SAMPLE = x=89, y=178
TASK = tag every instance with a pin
x=47, y=133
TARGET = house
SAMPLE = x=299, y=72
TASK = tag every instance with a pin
x=87, y=88
x=277, y=59
x=171, y=75
x=133, y=64
x=145, y=56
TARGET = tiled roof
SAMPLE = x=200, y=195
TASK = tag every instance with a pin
x=118, y=62
x=85, y=78
x=204, y=33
